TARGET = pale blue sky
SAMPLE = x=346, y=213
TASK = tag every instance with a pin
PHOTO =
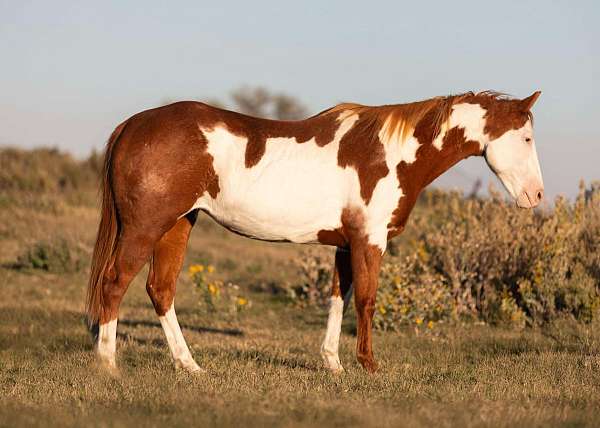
x=71, y=71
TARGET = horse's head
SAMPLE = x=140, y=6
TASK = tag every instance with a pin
x=511, y=153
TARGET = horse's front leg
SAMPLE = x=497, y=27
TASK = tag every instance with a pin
x=341, y=291
x=366, y=261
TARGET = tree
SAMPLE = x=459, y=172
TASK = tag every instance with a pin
x=261, y=102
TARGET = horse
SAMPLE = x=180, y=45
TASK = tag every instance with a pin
x=347, y=177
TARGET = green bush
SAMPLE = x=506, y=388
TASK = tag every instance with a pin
x=56, y=256
x=47, y=179
x=314, y=284
x=485, y=259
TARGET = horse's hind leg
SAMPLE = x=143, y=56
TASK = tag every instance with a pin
x=167, y=258
x=133, y=250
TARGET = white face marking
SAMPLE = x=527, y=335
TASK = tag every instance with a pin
x=179, y=349
x=515, y=162
x=106, y=344
x=329, y=348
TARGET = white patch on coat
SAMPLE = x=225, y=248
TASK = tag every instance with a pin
x=106, y=344
x=297, y=189
x=406, y=147
x=438, y=141
x=293, y=192
x=179, y=349
x=387, y=191
x=471, y=118
x=329, y=348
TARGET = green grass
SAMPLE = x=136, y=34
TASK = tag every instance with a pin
x=264, y=369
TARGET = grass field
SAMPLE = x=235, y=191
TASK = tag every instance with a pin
x=263, y=366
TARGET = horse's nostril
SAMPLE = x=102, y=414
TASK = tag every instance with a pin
x=540, y=195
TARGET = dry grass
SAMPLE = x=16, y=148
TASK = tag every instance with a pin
x=263, y=367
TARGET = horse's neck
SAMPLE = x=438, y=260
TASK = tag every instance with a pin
x=447, y=158
x=430, y=163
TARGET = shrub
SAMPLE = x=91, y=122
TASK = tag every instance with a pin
x=217, y=296
x=485, y=259
x=314, y=284
x=44, y=170
x=55, y=256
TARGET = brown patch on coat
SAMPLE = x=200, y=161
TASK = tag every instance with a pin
x=166, y=262
x=400, y=120
x=361, y=149
x=430, y=163
x=321, y=128
x=352, y=224
x=256, y=130
x=502, y=113
x=366, y=262
x=161, y=164
x=332, y=237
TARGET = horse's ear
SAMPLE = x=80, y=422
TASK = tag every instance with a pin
x=528, y=102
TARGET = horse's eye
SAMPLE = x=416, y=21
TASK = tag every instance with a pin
x=528, y=140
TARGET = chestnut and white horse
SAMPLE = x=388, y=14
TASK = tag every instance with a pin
x=347, y=177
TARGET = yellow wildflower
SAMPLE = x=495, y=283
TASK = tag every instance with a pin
x=419, y=321
x=193, y=269
x=242, y=301
x=430, y=325
x=382, y=310
x=210, y=268
x=212, y=288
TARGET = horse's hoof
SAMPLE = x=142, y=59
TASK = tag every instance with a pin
x=108, y=366
x=189, y=367
x=332, y=363
x=369, y=365
x=337, y=370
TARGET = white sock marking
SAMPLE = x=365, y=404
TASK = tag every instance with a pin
x=329, y=348
x=179, y=349
x=106, y=344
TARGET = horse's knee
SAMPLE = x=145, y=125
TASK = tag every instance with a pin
x=365, y=306
x=161, y=297
x=113, y=292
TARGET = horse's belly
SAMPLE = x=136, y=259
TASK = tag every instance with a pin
x=292, y=193
x=277, y=210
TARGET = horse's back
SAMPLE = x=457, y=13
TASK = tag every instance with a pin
x=273, y=180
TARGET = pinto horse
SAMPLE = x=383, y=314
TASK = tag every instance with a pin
x=347, y=177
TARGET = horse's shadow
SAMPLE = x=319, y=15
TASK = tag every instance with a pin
x=263, y=357
x=256, y=355
x=197, y=329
